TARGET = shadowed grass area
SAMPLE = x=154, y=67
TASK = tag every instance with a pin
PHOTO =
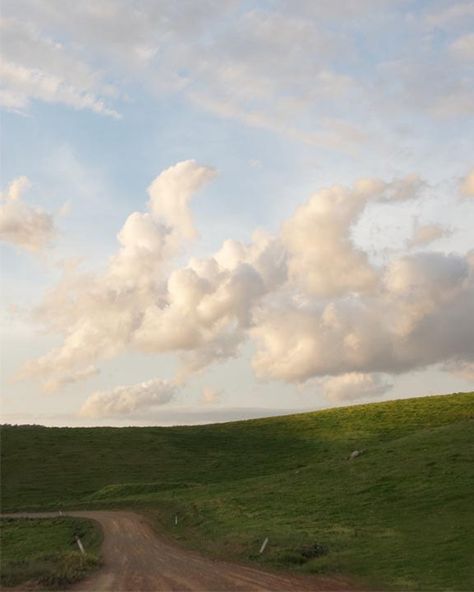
x=398, y=516
x=44, y=551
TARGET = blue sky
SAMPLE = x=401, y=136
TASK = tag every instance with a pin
x=244, y=112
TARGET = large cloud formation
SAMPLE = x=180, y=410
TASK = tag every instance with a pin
x=101, y=314
x=312, y=301
x=23, y=225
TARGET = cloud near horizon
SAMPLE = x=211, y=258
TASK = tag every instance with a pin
x=127, y=400
x=354, y=385
x=310, y=300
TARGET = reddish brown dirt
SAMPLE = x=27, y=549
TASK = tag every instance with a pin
x=136, y=559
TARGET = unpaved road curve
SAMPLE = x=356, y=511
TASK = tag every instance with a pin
x=137, y=560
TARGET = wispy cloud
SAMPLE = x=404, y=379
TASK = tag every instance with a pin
x=294, y=72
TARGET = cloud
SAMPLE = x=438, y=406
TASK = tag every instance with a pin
x=467, y=185
x=438, y=88
x=127, y=400
x=98, y=314
x=353, y=386
x=322, y=257
x=308, y=297
x=35, y=67
x=462, y=369
x=419, y=316
x=56, y=383
x=290, y=72
x=450, y=15
x=170, y=194
x=426, y=234
x=23, y=225
x=210, y=395
x=463, y=47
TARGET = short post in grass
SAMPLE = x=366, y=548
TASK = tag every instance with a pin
x=176, y=519
x=80, y=545
x=264, y=544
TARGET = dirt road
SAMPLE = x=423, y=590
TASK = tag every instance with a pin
x=136, y=560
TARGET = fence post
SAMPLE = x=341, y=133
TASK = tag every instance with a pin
x=79, y=544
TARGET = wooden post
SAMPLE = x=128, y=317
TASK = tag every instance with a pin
x=264, y=544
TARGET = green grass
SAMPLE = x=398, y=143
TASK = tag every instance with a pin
x=44, y=551
x=397, y=517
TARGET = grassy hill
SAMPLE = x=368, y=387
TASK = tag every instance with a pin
x=398, y=516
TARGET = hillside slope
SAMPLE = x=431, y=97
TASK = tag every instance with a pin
x=398, y=516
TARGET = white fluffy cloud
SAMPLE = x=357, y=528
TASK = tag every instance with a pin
x=420, y=315
x=23, y=225
x=322, y=257
x=100, y=314
x=126, y=400
x=309, y=298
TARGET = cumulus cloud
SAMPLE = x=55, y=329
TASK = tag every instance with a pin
x=420, y=315
x=307, y=296
x=353, y=386
x=126, y=400
x=98, y=314
x=170, y=195
x=426, y=234
x=321, y=254
x=467, y=185
x=23, y=225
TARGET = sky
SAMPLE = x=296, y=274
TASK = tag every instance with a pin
x=225, y=209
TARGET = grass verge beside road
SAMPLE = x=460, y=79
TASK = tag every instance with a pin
x=44, y=551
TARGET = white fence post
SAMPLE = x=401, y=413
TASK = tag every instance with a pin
x=264, y=544
x=79, y=544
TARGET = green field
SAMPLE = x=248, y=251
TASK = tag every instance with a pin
x=399, y=516
x=45, y=550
